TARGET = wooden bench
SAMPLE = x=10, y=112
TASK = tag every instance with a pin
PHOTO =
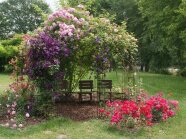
x=104, y=86
x=86, y=87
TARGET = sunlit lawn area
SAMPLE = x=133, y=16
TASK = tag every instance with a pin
x=173, y=87
x=4, y=81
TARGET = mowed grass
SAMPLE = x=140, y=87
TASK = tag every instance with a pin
x=175, y=128
x=5, y=80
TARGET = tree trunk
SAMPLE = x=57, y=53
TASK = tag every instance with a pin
x=147, y=67
x=142, y=66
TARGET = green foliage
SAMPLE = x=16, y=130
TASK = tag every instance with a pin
x=20, y=16
x=8, y=50
x=83, y=43
x=15, y=41
x=158, y=25
x=183, y=72
x=122, y=10
x=164, y=32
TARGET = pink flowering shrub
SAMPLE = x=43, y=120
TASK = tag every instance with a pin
x=10, y=109
x=16, y=102
x=70, y=44
x=143, y=110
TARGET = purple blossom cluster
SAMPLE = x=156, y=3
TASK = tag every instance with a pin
x=44, y=53
x=50, y=48
x=102, y=60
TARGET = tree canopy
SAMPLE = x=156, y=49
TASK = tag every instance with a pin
x=21, y=16
x=164, y=31
x=158, y=25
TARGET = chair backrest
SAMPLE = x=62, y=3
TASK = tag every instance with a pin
x=105, y=84
x=64, y=85
x=86, y=85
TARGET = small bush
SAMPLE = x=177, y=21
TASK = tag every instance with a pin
x=15, y=41
x=8, y=50
x=8, y=68
x=183, y=72
x=6, y=54
x=142, y=111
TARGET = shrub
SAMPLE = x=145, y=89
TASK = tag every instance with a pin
x=143, y=110
x=15, y=41
x=6, y=53
x=71, y=43
x=8, y=50
x=18, y=102
x=183, y=72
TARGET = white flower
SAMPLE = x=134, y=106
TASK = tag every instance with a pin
x=20, y=125
x=115, y=30
x=12, y=120
x=7, y=105
x=13, y=112
x=7, y=124
x=87, y=13
x=80, y=6
x=27, y=115
x=120, y=36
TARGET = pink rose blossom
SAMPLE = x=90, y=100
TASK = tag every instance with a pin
x=13, y=112
x=14, y=125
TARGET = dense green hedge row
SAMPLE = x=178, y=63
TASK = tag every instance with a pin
x=8, y=49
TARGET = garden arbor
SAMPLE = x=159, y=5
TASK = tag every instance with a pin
x=71, y=44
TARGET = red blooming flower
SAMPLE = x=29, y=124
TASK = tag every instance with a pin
x=149, y=123
x=155, y=108
x=101, y=110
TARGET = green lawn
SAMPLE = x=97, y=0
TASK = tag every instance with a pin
x=5, y=80
x=174, y=128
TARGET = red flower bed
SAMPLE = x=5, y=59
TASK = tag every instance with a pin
x=143, y=110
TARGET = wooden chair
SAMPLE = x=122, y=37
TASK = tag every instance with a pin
x=104, y=86
x=86, y=87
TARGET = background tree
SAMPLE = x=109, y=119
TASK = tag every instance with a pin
x=21, y=16
x=158, y=25
x=164, y=32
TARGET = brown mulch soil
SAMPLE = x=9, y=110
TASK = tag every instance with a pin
x=77, y=111
x=73, y=109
